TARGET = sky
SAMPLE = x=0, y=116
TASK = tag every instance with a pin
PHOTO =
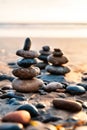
x=43, y=11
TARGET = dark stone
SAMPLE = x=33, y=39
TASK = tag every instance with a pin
x=57, y=70
x=50, y=118
x=46, y=48
x=75, y=89
x=30, y=108
x=11, y=126
x=52, y=78
x=43, y=57
x=6, y=77
x=41, y=65
x=40, y=105
x=12, y=95
x=84, y=85
x=26, y=62
x=27, y=44
x=57, y=52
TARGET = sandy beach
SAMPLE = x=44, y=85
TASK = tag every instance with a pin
x=73, y=48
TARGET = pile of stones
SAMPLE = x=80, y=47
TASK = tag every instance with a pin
x=26, y=72
x=57, y=59
x=44, y=53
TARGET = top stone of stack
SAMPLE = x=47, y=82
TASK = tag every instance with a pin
x=26, y=52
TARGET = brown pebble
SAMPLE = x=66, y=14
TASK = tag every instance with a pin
x=26, y=86
x=27, y=54
x=69, y=105
x=26, y=73
x=17, y=116
x=57, y=60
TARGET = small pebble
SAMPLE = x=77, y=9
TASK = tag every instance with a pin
x=69, y=105
x=84, y=85
x=11, y=126
x=53, y=86
x=30, y=108
x=40, y=105
x=17, y=116
x=75, y=89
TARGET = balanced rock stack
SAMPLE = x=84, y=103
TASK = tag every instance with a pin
x=57, y=60
x=26, y=72
x=44, y=53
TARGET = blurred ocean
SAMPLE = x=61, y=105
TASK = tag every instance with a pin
x=61, y=30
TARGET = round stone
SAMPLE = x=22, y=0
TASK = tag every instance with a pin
x=45, y=52
x=26, y=86
x=55, y=60
x=57, y=52
x=11, y=126
x=17, y=116
x=43, y=58
x=69, y=105
x=75, y=89
x=41, y=65
x=57, y=70
x=30, y=108
x=26, y=73
x=27, y=54
x=46, y=48
x=26, y=62
x=53, y=86
x=27, y=44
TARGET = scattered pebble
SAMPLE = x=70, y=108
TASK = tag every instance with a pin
x=75, y=89
x=69, y=105
x=17, y=116
x=30, y=108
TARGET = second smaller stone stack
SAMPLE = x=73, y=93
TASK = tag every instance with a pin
x=44, y=53
x=26, y=72
x=57, y=59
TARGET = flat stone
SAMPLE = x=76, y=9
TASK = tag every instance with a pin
x=26, y=62
x=21, y=116
x=11, y=126
x=30, y=108
x=53, y=86
x=27, y=54
x=52, y=78
x=68, y=105
x=57, y=60
x=43, y=57
x=26, y=73
x=57, y=70
x=41, y=65
x=26, y=86
x=75, y=89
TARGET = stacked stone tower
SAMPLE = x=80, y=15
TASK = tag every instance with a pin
x=26, y=73
x=44, y=53
x=57, y=59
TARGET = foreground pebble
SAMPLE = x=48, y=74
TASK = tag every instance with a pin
x=30, y=108
x=11, y=126
x=17, y=116
x=69, y=105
